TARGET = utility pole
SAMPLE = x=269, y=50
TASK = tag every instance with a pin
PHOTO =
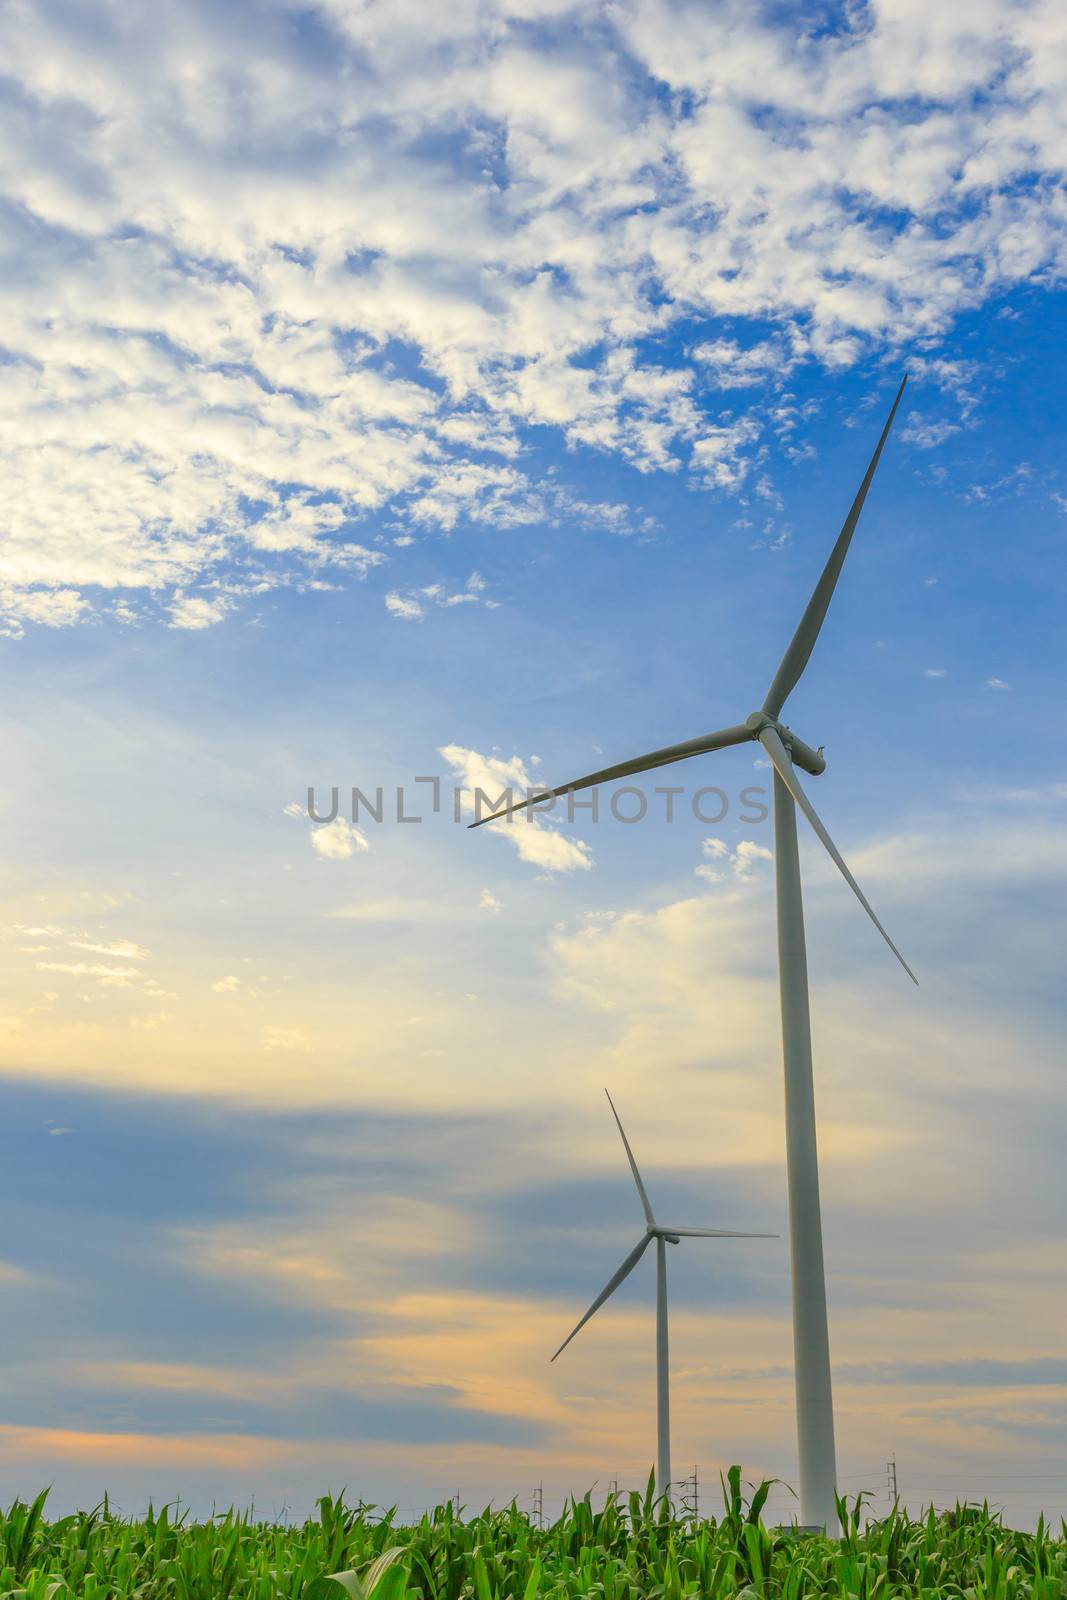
x=891, y=1482
x=690, y=1496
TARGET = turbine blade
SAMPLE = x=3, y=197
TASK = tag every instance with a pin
x=609, y=1289
x=803, y=641
x=645, y=1201
x=715, y=1233
x=774, y=747
x=627, y=769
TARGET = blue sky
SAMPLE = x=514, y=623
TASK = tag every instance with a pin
x=393, y=391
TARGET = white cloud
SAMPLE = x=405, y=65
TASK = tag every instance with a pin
x=470, y=594
x=51, y=608
x=488, y=781
x=224, y=250
x=407, y=609
x=544, y=847
x=117, y=977
x=488, y=901
x=935, y=672
x=737, y=863
x=196, y=611
x=227, y=985
x=338, y=840
x=126, y=948
x=734, y=367
x=747, y=854
x=1009, y=484
x=718, y=456
x=411, y=607
x=926, y=433
x=996, y=683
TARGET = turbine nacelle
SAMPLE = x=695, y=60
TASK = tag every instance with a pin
x=803, y=756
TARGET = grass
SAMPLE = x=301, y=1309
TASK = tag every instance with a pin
x=628, y=1550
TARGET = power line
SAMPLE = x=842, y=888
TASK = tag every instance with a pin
x=1003, y=1477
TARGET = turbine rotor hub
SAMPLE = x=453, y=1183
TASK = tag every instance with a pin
x=801, y=754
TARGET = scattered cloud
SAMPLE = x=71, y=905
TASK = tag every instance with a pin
x=195, y=612
x=1006, y=487
x=126, y=948
x=956, y=379
x=926, y=433
x=338, y=840
x=733, y=367
x=412, y=607
x=117, y=976
x=719, y=458
x=720, y=862
x=488, y=782
x=406, y=608
x=49, y=608
x=259, y=313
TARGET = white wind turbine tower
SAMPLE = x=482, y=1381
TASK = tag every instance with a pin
x=663, y=1237
x=811, y=1347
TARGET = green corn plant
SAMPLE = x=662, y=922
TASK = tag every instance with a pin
x=630, y=1547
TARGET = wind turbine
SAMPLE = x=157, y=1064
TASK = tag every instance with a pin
x=811, y=1347
x=663, y=1237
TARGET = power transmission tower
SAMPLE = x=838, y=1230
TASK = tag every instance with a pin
x=539, y=1504
x=690, y=1495
x=891, y=1481
x=613, y=1488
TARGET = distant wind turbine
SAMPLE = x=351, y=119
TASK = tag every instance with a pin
x=811, y=1345
x=663, y=1237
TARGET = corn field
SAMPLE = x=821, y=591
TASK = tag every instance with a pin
x=628, y=1550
